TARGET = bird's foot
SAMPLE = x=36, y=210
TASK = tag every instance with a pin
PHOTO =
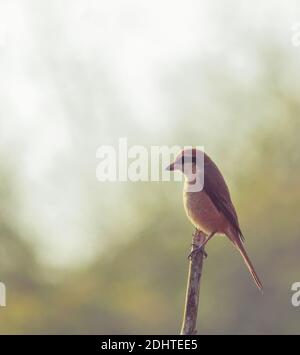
x=196, y=233
x=198, y=249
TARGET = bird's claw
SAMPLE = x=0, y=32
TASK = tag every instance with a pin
x=197, y=250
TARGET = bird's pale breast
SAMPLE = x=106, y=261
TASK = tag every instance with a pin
x=202, y=212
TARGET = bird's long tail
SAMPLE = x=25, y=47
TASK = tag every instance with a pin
x=239, y=245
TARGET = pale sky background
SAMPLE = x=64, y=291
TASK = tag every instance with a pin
x=126, y=49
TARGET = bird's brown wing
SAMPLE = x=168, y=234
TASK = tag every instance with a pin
x=216, y=188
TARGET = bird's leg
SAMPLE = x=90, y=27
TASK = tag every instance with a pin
x=195, y=235
x=200, y=248
x=198, y=239
x=197, y=249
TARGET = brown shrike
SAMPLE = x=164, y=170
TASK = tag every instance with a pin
x=209, y=207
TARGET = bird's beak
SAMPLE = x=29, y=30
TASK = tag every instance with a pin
x=171, y=167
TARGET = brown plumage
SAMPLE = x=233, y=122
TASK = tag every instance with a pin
x=210, y=210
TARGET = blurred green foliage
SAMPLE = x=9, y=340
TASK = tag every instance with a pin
x=139, y=286
x=136, y=280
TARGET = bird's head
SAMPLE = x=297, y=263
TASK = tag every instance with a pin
x=189, y=162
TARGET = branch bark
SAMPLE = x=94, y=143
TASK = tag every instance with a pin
x=193, y=287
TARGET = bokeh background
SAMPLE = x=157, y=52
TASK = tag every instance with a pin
x=80, y=256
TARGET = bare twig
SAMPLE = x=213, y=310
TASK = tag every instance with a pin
x=193, y=287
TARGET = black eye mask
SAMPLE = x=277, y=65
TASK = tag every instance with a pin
x=188, y=160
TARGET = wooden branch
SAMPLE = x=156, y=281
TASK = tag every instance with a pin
x=193, y=287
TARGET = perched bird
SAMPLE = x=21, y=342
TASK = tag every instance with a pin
x=210, y=208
